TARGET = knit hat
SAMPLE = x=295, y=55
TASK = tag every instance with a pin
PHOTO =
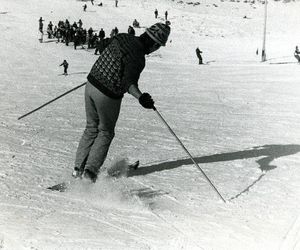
x=159, y=32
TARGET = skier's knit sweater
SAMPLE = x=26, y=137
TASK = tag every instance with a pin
x=118, y=66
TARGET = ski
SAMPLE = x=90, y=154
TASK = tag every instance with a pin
x=62, y=187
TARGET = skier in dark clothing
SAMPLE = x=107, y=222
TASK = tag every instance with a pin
x=166, y=15
x=101, y=44
x=84, y=7
x=297, y=54
x=131, y=30
x=116, y=72
x=66, y=65
x=135, y=24
x=156, y=13
x=101, y=34
x=41, y=25
x=198, y=53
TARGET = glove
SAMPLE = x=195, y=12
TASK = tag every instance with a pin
x=146, y=101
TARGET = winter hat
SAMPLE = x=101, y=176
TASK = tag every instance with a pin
x=159, y=32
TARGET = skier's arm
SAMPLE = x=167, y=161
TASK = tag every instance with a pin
x=134, y=91
x=145, y=99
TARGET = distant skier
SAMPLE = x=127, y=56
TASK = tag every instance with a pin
x=41, y=25
x=101, y=34
x=131, y=30
x=297, y=53
x=116, y=3
x=66, y=65
x=136, y=24
x=92, y=1
x=50, y=30
x=114, y=32
x=198, y=53
x=166, y=15
x=116, y=72
x=84, y=7
x=156, y=13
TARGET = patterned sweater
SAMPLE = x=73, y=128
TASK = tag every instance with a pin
x=118, y=66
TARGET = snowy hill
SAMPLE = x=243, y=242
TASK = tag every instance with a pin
x=238, y=117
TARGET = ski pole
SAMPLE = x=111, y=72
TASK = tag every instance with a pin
x=51, y=101
x=191, y=157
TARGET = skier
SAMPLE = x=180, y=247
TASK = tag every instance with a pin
x=198, y=53
x=116, y=71
x=116, y=31
x=80, y=23
x=41, y=25
x=156, y=13
x=297, y=53
x=136, y=24
x=84, y=7
x=66, y=65
x=92, y=1
x=131, y=30
x=166, y=15
x=116, y=3
x=101, y=34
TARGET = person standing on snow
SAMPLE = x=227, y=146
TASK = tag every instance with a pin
x=131, y=30
x=116, y=72
x=166, y=15
x=198, y=53
x=297, y=53
x=156, y=13
x=101, y=34
x=41, y=25
x=66, y=65
x=84, y=7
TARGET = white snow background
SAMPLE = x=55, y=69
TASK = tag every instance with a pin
x=237, y=116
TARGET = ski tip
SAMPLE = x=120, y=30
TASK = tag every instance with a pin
x=134, y=165
x=61, y=187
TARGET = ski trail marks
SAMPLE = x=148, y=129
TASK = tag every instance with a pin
x=291, y=240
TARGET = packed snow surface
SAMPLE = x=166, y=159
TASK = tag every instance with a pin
x=238, y=117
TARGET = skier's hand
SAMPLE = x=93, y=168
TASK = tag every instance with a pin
x=146, y=101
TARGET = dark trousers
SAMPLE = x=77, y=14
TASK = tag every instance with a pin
x=102, y=113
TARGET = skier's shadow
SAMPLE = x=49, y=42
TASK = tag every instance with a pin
x=267, y=152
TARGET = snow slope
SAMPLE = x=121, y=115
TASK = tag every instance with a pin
x=237, y=116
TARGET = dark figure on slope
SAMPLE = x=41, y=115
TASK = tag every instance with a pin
x=131, y=30
x=297, y=54
x=66, y=65
x=41, y=25
x=136, y=24
x=156, y=13
x=116, y=72
x=101, y=34
x=198, y=53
